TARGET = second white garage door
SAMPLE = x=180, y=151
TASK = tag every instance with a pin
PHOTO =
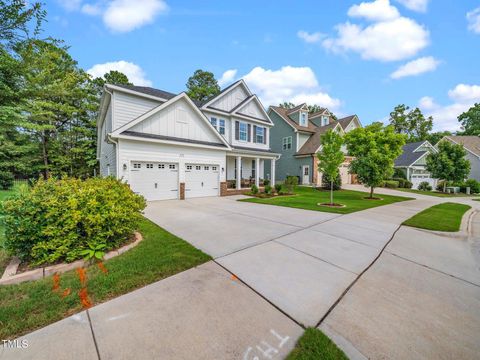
x=201, y=180
x=154, y=180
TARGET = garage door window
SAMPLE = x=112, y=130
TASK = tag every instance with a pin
x=172, y=166
x=198, y=167
x=137, y=165
x=149, y=166
x=206, y=168
x=189, y=167
x=214, y=168
x=161, y=166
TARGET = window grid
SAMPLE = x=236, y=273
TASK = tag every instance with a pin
x=149, y=166
x=243, y=131
x=287, y=143
x=171, y=166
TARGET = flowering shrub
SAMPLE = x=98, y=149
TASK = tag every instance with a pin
x=56, y=220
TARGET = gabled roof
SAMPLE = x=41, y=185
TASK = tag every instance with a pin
x=312, y=145
x=295, y=109
x=318, y=113
x=226, y=90
x=149, y=91
x=283, y=113
x=469, y=142
x=409, y=156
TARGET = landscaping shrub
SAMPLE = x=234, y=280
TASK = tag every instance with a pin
x=266, y=182
x=391, y=184
x=398, y=173
x=254, y=189
x=424, y=186
x=278, y=188
x=407, y=184
x=6, y=180
x=55, y=220
x=290, y=183
x=268, y=189
x=474, y=186
x=337, y=183
x=441, y=183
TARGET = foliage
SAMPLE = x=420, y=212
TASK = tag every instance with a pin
x=442, y=184
x=94, y=252
x=312, y=109
x=398, y=173
x=268, y=189
x=391, y=184
x=434, y=138
x=375, y=148
x=254, y=189
x=441, y=217
x=56, y=220
x=290, y=184
x=470, y=120
x=278, y=188
x=327, y=184
x=6, y=180
x=202, y=86
x=411, y=123
x=330, y=157
x=449, y=163
x=266, y=182
x=424, y=186
x=315, y=345
x=474, y=186
x=407, y=184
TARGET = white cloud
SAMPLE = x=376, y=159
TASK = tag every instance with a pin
x=473, y=18
x=295, y=84
x=70, y=5
x=378, y=10
x=416, y=67
x=310, y=37
x=227, y=77
x=445, y=116
x=127, y=15
x=91, y=9
x=415, y=5
x=390, y=37
x=135, y=73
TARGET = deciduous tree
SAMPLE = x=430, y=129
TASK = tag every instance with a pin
x=331, y=157
x=470, y=120
x=411, y=123
x=202, y=86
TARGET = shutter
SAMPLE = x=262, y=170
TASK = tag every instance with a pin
x=254, y=133
x=249, y=133
x=264, y=135
x=237, y=130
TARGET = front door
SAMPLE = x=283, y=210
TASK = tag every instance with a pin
x=306, y=174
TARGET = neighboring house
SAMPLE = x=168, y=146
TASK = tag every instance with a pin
x=296, y=136
x=472, y=146
x=412, y=162
x=165, y=146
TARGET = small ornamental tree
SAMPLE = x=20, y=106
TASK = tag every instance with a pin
x=449, y=163
x=375, y=148
x=330, y=157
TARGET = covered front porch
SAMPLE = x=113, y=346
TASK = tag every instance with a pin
x=254, y=169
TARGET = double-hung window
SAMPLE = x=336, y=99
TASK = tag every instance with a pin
x=303, y=119
x=213, y=121
x=287, y=143
x=324, y=120
x=242, y=131
x=221, y=126
x=260, y=135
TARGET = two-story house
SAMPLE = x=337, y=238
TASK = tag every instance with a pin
x=166, y=146
x=296, y=136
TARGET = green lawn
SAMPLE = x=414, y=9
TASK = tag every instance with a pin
x=314, y=345
x=31, y=305
x=308, y=198
x=4, y=258
x=441, y=217
x=433, y=193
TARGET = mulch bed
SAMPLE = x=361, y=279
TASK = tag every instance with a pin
x=334, y=205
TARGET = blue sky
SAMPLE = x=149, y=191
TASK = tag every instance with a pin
x=350, y=56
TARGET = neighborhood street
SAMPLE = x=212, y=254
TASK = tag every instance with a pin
x=277, y=270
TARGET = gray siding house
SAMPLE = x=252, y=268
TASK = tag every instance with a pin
x=472, y=146
x=296, y=136
x=412, y=162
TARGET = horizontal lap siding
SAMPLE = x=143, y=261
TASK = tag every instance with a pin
x=129, y=107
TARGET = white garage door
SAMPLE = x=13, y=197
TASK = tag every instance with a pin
x=201, y=180
x=344, y=175
x=154, y=180
x=417, y=179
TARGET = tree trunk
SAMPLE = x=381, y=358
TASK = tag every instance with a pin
x=46, y=173
x=444, y=185
x=371, y=192
x=331, y=192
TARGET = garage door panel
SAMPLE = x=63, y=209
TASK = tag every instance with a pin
x=201, y=180
x=155, y=180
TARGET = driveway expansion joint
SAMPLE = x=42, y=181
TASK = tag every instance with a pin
x=93, y=334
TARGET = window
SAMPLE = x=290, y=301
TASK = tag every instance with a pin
x=260, y=134
x=161, y=166
x=171, y=166
x=206, y=168
x=137, y=165
x=213, y=121
x=214, y=168
x=253, y=169
x=243, y=131
x=198, y=167
x=303, y=119
x=287, y=143
x=189, y=167
x=325, y=120
x=221, y=126
x=149, y=166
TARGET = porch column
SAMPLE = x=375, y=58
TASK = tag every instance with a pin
x=239, y=172
x=257, y=172
x=272, y=172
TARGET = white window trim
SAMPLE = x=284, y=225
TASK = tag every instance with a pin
x=240, y=131
x=287, y=143
x=221, y=127
x=262, y=130
x=303, y=119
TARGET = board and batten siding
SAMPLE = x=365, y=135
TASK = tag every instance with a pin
x=252, y=109
x=228, y=101
x=108, y=157
x=132, y=150
x=128, y=107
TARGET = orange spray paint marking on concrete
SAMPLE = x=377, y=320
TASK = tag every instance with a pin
x=233, y=277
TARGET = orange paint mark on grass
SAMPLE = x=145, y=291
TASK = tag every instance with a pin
x=102, y=267
x=82, y=275
x=56, y=282
x=84, y=298
x=66, y=292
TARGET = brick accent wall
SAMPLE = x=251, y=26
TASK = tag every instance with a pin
x=315, y=170
x=182, y=191
x=223, y=188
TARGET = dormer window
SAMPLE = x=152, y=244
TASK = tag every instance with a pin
x=325, y=120
x=303, y=119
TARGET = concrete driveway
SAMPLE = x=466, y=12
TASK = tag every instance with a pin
x=300, y=261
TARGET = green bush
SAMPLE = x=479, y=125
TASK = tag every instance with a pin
x=399, y=173
x=266, y=182
x=407, y=184
x=474, y=186
x=56, y=220
x=337, y=183
x=290, y=184
x=268, y=189
x=440, y=184
x=424, y=186
x=254, y=189
x=278, y=188
x=391, y=184
x=6, y=180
